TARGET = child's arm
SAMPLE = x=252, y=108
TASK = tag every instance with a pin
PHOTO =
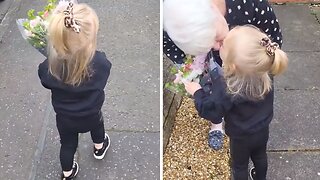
x=43, y=73
x=102, y=68
x=210, y=106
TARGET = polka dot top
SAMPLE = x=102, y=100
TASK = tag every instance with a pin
x=238, y=12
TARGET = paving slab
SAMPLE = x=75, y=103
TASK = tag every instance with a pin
x=129, y=33
x=296, y=120
x=301, y=73
x=301, y=31
x=23, y=104
x=294, y=166
x=47, y=165
x=7, y=11
x=132, y=155
x=4, y=7
x=316, y=11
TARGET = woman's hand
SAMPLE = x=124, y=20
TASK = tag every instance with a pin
x=192, y=87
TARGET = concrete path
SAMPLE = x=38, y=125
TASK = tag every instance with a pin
x=294, y=144
x=29, y=141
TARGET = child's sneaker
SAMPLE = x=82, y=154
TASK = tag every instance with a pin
x=215, y=139
x=75, y=169
x=252, y=174
x=99, y=153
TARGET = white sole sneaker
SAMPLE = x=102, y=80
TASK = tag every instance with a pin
x=75, y=174
x=250, y=173
x=105, y=151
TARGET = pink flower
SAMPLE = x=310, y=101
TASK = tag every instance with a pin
x=35, y=22
x=178, y=77
x=199, y=62
x=46, y=14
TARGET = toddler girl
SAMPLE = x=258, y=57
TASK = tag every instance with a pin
x=244, y=96
x=76, y=74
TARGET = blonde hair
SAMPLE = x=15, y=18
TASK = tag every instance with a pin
x=191, y=24
x=247, y=66
x=70, y=53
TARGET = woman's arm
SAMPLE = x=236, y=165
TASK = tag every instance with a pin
x=255, y=12
x=266, y=20
x=171, y=50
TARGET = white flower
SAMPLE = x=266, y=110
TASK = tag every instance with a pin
x=178, y=78
x=193, y=75
x=197, y=80
x=62, y=5
x=35, y=22
x=46, y=24
x=27, y=33
x=198, y=71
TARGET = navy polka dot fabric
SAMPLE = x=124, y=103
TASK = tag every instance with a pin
x=171, y=50
x=238, y=12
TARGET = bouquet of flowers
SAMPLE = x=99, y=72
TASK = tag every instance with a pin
x=190, y=71
x=34, y=28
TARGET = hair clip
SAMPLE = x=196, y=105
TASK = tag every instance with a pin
x=69, y=21
x=270, y=46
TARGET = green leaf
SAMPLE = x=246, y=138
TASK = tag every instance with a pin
x=188, y=60
x=30, y=14
x=167, y=85
x=176, y=88
x=40, y=13
x=185, y=74
x=173, y=70
x=26, y=25
x=50, y=6
x=52, y=1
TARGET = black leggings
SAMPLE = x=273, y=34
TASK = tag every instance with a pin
x=69, y=129
x=252, y=146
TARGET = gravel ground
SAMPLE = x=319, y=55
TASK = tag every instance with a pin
x=188, y=155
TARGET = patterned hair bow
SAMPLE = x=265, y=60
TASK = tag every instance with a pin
x=270, y=46
x=69, y=20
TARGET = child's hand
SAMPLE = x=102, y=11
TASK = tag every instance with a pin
x=192, y=87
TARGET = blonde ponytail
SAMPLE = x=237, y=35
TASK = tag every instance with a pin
x=255, y=57
x=71, y=48
x=56, y=33
x=280, y=62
